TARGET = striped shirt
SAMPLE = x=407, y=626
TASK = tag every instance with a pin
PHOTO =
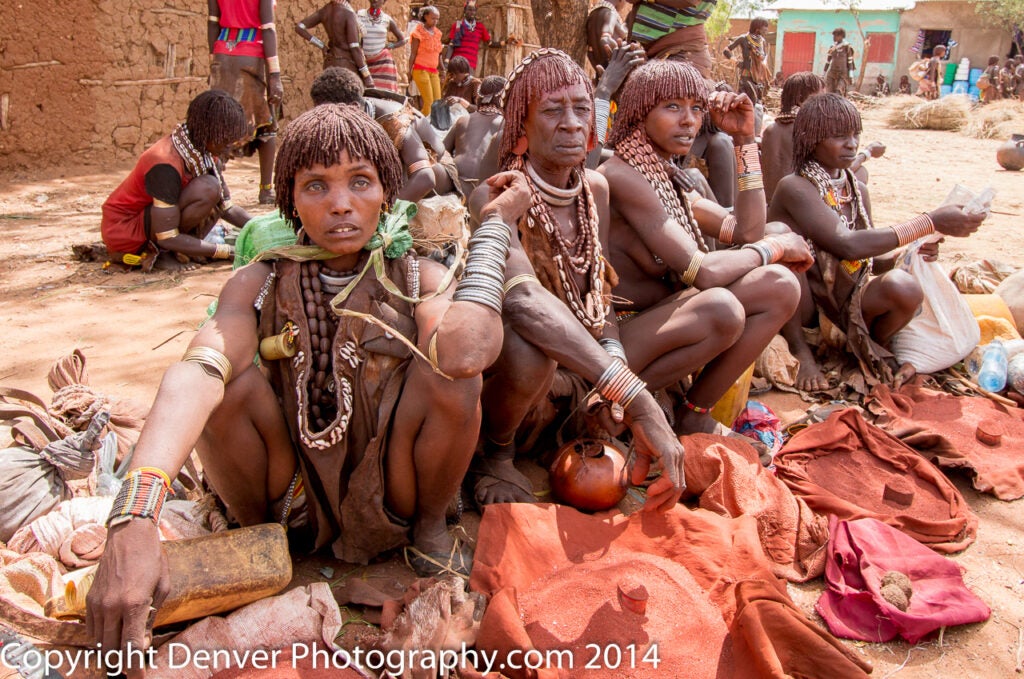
x=654, y=20
x=375, y=33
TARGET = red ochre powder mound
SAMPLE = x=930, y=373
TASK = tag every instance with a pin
x=577, y=607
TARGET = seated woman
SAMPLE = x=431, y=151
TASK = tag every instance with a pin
x=461, y=87
x=357, y=436
x=161, y=212
x=823, y=202
x=680, y=307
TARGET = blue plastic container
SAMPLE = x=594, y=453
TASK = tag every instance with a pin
x=974, y=93
x=945, y=90
x=974, y=75
x=960, y=87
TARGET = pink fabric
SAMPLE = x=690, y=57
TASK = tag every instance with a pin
x=860, y=553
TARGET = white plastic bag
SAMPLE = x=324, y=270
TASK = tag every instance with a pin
x=944, y=331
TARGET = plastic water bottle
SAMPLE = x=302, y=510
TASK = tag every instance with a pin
x=992, y=376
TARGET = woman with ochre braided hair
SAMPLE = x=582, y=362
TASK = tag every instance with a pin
x=825, y=203
x=159, y=215
x=682, y=307
x=362, y=436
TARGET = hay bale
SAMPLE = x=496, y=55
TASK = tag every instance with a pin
x=997, y=120
x=911, y=113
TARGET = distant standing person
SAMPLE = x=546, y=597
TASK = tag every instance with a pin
x=754, y=72
x=343, y=47
x=425, y=63
x=244, y=63
x=604, y=28
x=930, y=82
x=839, y=64
x=375, y=25
x=466, y=35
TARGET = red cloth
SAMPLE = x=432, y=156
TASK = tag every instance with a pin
x=123, y=225
x=942, y=427
x=841, y=466
x=860, y=553
x=727, y=475
x=553, y=557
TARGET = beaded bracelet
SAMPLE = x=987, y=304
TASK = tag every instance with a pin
x=222, y=251
x=700, y=410
x=748, y=159
x=690, y=275
x=908, y=232
x=213, y=363
x=619, y=384
x=614, y=348
x=142, y=495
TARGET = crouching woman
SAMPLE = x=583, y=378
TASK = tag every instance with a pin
x=358, y=436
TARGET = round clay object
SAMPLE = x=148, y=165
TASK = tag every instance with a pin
x=895, y=596
x=899, y=579
x=1011, y=154
x=990, y=432
x=898, y=490
x=633, y=595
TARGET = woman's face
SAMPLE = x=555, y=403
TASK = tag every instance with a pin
x=673, y=124
x=339, y=206
x=430, y=19
x=837, y=153
x=377, y=4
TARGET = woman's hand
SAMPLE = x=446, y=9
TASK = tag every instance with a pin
x=131, y=583
x=508, y=197
x=732, y=113
x=796, y=255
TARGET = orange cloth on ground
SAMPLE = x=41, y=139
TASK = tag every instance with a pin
x=842, y=465
x=942, y=427
x=727, y=475
x=682, y=556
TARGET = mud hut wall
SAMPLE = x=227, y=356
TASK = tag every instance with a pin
x=103, y=79
x=977, y=38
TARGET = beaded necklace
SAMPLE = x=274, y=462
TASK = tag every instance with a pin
x=636, y=150
x=197, y=163
x=489, y=110
x=376, y=16
x=583, y=255
x=813, y=172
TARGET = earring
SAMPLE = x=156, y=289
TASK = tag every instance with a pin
x=521, y=146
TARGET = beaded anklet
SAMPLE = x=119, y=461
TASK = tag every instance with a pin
x=695, y=408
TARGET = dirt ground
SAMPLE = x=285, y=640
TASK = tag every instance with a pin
x=132, y=326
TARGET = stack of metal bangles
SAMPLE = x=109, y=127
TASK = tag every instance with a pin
x=619, y=384
x=771, y=251
x=484, y=279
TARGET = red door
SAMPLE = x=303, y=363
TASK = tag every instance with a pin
x=797, y=53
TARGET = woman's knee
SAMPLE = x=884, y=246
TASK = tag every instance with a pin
x=783, y=286
x=722, y=313
x=901, y=291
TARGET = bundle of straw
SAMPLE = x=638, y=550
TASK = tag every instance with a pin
x=997, y=120
x=911, y=113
